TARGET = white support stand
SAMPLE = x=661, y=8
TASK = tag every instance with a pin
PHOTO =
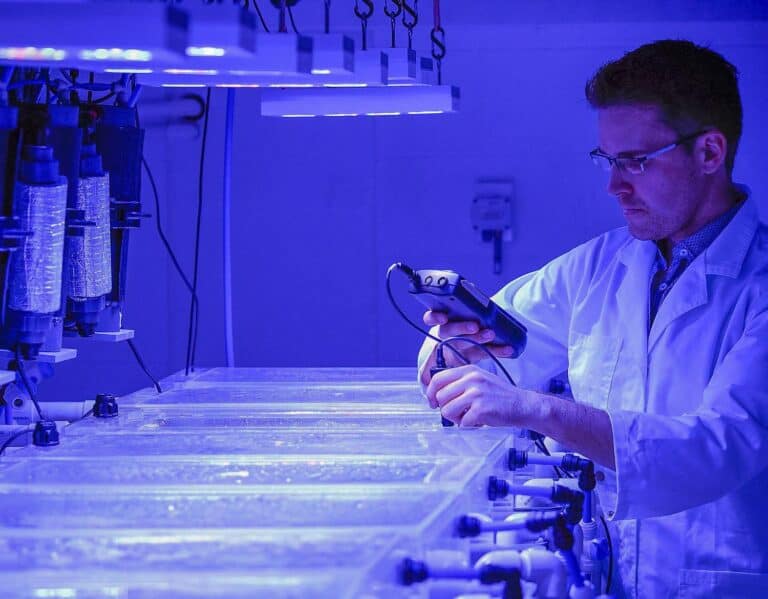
x=46, y=357
x=103, y=336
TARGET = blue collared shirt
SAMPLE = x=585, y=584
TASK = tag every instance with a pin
x=683, y=253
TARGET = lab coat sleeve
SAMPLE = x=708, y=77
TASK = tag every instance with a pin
x=669, y=464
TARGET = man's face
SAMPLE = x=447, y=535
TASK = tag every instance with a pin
x=661, y=202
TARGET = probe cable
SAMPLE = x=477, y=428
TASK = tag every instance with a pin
x=143, y=366
x=408, y=271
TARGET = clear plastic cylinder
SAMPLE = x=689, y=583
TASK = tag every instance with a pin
x=89, y=259
x=35, y=269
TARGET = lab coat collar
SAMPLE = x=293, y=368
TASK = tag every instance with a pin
x=726, y=254
x=725, y=257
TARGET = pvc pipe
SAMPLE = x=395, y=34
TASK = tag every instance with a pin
x=227, y=233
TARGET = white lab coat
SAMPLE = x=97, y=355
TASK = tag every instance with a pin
x=688, y=402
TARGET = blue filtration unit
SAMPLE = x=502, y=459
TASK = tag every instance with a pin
x=34, y=275
x=89, y=259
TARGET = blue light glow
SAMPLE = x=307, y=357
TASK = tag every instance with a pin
x=205, y=51
x=32, y=53
x=131, y=71
x=345, y=85
x=191, y=71
x=130, y=54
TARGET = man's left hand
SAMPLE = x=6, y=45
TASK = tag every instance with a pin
x=470, y=396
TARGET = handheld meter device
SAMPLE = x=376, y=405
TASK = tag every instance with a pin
x=447, y=291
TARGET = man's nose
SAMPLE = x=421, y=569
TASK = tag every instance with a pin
x=617, y=182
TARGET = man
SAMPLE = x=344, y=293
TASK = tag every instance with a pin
x=663, y=328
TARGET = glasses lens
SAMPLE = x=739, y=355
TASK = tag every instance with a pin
x=634, y=166
x=601, y=161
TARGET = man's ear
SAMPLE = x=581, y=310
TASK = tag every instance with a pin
x=710, y=151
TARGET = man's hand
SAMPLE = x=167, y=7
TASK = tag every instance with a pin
x=471, y=396
x=464, y=328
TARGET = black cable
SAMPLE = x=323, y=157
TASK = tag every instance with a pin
x=143, y=366
x=11, y=439
x=104, y=98
x=192, y=332
x=83, y=417
x=161, y=233
x=261, y=16
x=610, y=557
x=25, y=381
x=171, y=253
x=163, y=238
x=444, y=342
x=293, y=23
x=167, y=244
x=539, y=442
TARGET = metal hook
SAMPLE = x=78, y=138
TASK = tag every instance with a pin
x=413, y=12
x=393, y=14
x=438, y=50
x=364, y=16
x=369, y=10
x=438, y=43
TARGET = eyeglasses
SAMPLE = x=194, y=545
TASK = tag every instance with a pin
x=635, y=165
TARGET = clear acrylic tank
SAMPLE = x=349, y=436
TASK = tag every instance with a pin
x=241, y=483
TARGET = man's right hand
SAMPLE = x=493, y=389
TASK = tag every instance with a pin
x=464, y=328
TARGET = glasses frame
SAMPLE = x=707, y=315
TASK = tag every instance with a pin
x=621, y=161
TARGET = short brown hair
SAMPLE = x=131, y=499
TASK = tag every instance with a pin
x=693, y=86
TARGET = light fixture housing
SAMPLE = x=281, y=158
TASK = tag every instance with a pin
x=371, y=69
x=284, y=56
x=403, y=65
x=334, y=54
x=369, y=101
x=220, y=32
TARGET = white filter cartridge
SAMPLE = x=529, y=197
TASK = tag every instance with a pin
x=89, y=257
x=35, y=269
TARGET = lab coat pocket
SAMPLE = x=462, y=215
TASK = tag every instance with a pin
x=591, y=366
x=695, y=584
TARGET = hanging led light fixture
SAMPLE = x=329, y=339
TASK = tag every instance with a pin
x=410, y=89
x=369, y=101
x=371, y=70
x=90, y=35
x=279, y=57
